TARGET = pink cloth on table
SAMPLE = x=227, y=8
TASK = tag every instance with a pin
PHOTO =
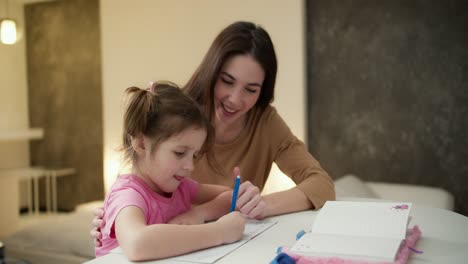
x=402, y=257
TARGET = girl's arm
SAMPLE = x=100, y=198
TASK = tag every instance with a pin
x=143, y=242
x=213, y=202
x=212, y=209
x=208, y=192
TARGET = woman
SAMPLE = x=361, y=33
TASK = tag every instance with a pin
x=234, y=84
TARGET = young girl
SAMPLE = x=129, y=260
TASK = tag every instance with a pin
x=164, y=131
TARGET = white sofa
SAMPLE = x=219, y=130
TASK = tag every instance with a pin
x=55, y=239
x=351, y=186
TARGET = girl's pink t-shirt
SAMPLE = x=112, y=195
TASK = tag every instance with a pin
x=129, y=190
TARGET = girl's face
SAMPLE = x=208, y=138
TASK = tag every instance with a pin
x=167, y=165
x=237, y=89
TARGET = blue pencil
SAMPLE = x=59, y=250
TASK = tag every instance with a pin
x=234, y=193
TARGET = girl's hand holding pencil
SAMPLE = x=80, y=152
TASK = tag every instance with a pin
x=231, y=226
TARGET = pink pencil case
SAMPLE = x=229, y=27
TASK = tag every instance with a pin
x=403, y=255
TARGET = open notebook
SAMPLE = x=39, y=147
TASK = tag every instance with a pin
x=370, y=231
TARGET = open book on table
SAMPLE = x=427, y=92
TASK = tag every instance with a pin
x=370, y=231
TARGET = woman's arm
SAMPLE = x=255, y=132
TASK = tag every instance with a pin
x=313, y=182
x=294, y=159
x=314, y=185
x=292, y=200
x=143, y=242
x=254, y=205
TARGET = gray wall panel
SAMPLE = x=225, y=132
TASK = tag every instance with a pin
x=64, y=82
x=388, y=91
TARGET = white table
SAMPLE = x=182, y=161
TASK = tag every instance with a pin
x=444, y=239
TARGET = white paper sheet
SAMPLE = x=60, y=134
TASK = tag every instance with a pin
x=210, y=255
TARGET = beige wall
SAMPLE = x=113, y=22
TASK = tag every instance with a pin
x=13, y=116
x=13, y=90
x=156, y=39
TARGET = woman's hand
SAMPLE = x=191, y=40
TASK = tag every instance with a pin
x=249, y=202
x=97, y=223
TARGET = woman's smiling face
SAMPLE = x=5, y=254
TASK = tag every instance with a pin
x=237, y=89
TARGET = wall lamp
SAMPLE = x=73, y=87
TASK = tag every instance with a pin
x=8, y=29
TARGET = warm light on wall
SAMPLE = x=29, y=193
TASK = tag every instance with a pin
x=277, y=181
x=8, y=31
x=112, y=168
